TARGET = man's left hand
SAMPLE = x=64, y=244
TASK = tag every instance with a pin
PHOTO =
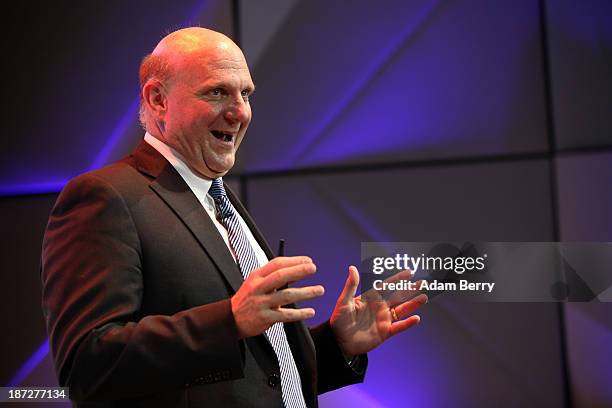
x=361, y=325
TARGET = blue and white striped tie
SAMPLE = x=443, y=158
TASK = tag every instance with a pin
x=247, y=262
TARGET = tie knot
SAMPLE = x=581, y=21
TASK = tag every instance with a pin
x=217, y=190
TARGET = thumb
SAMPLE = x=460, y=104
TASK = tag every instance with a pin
x=350, y=287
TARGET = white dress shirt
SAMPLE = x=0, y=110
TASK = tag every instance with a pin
x=200, y=186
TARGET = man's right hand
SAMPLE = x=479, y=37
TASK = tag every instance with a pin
x=258, y=304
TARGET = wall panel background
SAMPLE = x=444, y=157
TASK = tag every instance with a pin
x=421, y=120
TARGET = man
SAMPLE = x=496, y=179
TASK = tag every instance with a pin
x=158, y=288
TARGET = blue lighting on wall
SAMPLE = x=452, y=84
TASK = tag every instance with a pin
x=302, y=147
x=30, y=364
x=118, y=132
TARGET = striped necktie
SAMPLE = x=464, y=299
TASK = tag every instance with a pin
x=247, y=262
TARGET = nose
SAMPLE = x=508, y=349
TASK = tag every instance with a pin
x=238, y=111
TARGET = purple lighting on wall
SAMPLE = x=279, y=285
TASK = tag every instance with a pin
x=32, y=188
x=119, y=130
x=352, y=396
x=305, y=144
x=131, y=113
x=108, y=121
x=30, y=364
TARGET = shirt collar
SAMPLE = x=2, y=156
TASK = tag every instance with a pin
x=199, y=185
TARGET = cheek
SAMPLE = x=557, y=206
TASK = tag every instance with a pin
x=191, y=114
x=202, y=121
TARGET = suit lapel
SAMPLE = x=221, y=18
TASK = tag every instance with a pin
x=169, y=185
x=249, y=222
x=298, y=334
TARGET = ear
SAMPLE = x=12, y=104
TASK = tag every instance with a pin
x=155, y=100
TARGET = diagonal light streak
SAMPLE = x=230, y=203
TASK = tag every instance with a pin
x=30, y=364
x=130, y=114
x=349, y=397
x=311, y=139
x=50, y=187
x=126, y=120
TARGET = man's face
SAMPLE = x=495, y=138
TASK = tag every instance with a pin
x=208, y=109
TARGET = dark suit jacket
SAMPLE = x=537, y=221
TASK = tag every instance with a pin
x=136, y=287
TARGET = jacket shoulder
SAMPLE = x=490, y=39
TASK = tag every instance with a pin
x=120, y=177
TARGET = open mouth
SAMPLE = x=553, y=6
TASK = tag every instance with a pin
x=225, y=137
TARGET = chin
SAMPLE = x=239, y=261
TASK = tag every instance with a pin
x=218, y=171
x=222, y=168
x=213, y=167
x=221, y=174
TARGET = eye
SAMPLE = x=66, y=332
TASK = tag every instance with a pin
x=216, y=92
x=246, y=94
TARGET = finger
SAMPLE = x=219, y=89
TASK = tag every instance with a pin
x=399, y=296
x=350, y=287
x=283, y=276
x=410, y=306
x=403, y=325
x=405, y=274
x=393, y=296
x=294, y=295
x=292, y=315
x=281, y=262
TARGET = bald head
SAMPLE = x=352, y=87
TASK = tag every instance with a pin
x=179, y=48
x=187, y=41
x=195, y=89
